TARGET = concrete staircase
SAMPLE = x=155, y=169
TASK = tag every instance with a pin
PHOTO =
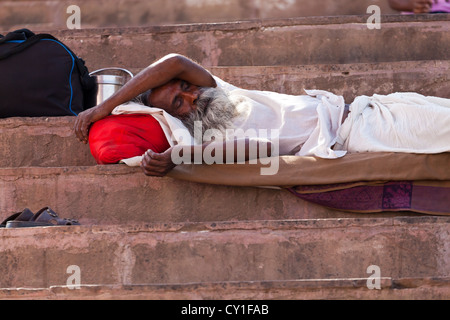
x=287, y=259
x=160, y=238
x=53, y=15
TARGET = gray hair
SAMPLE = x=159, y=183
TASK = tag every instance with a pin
x=143, y=98
x=215, y=110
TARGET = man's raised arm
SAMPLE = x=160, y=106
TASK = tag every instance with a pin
x=172, y=66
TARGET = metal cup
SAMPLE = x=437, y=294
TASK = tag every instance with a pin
x=109, y=84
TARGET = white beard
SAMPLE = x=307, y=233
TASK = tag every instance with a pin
x=215, y=110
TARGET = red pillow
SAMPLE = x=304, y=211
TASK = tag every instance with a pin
x=118, y=137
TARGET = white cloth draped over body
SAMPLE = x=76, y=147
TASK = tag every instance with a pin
x=398, y=122
x=310, y=125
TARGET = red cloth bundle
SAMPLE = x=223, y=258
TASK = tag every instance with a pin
x=118, y=137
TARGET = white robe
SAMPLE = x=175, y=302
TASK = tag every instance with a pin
x=306, y=124
x=398, y=122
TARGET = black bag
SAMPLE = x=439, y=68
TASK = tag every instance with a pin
x=40, y=76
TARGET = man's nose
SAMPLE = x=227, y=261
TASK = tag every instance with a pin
x=191, y=96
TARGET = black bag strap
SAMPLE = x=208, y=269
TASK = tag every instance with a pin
x=25, y=35
x=21, y=34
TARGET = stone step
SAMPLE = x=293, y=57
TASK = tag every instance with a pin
x=41, y=14
x=43, y=142
x=311, y=289
x=297, y=41
x=215, y=252
x=50, y=142
x=118, y=194
x=428, y=77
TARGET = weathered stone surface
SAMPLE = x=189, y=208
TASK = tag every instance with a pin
x=42, y=14
x=349, y=80
x=173, y=254
x=41, y=142
x=299, y=41
x=117, y=194
x=342, y=289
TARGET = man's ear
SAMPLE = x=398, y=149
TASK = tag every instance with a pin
x=145, y=97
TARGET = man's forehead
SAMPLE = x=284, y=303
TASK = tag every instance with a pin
x=162, y=96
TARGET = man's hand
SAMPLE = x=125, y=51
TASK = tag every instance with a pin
x=85, y=119
x=157, y=164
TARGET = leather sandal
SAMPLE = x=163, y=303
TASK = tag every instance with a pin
x=25, y=215
x=45, y=217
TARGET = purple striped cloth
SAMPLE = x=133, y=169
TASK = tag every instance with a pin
x=420, y=197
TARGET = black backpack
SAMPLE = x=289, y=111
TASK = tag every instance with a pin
x=40, y=76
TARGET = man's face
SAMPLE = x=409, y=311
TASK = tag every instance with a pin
x=177, y=97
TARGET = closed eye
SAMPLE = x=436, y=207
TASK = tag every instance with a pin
x=177, y=103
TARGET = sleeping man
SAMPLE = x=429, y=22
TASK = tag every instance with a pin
x=249, y=124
